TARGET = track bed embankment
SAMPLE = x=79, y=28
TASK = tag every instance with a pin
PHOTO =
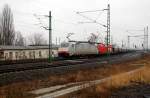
x=33, y=71
x=20, y=89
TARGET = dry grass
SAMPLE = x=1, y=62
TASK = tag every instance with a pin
x=18, y=90
x=104, y=89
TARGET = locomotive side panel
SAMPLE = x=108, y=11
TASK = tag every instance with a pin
x=102, y=48
x=85, y=49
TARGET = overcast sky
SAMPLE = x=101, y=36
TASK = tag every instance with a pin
x=125, y=15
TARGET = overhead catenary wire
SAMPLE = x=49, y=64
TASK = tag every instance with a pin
x=91, y=20
x=145, y=35
x=99, y=15
x=65, y=22
x=91, y=11
x=107, y=26
x=42, y=23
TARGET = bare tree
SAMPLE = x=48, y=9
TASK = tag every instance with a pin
x=19, y=39
x=7, y=26
x=37, y=39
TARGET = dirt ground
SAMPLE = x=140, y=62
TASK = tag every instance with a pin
x=19, y=90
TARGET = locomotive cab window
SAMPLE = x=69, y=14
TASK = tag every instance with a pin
x=64, y=44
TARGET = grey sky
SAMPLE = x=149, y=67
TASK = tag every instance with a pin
x=125, y=15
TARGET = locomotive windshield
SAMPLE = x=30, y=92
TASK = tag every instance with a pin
x=64, y=44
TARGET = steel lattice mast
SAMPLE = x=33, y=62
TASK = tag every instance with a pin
x=108, y=28
x=95, y=21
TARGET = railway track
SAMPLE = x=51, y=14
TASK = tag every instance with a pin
x=32, y=71
x=65, y=63
x=26, y=61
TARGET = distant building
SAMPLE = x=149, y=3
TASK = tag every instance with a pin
x=26, y=52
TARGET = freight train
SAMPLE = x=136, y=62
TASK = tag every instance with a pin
x=69, y=49
x=82, y=48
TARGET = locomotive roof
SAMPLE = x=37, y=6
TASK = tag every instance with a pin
x=84, y=42
x=11, y=47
